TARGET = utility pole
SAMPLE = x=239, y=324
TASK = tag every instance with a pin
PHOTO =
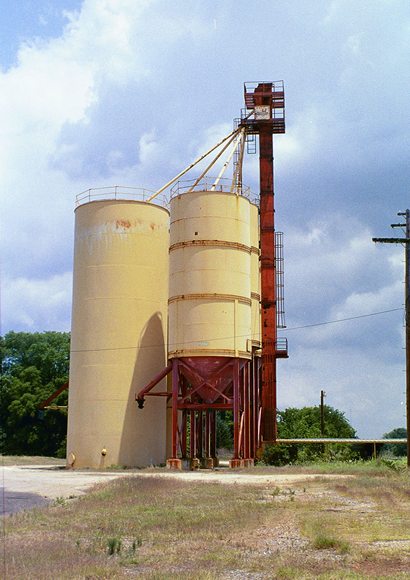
x=322, y=413
x=406, y=242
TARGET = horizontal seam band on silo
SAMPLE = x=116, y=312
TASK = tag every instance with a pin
x=255, y=296
x=255, y=250
x=212, y=243
x=208, y=352
x=203, y=296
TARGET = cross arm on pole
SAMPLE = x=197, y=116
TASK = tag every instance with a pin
x=392, y=240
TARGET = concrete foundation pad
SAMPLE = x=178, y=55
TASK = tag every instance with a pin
x=207, y=463
x=174, y=464
x=195, y=464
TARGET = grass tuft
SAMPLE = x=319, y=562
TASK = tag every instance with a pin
x=114, y=546
x=324, y=542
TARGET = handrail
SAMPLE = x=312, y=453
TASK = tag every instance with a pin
x=346, y=440
x=206, y=184
x=119, y=192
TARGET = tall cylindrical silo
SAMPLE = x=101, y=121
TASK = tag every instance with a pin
x=210, y=325
x=255, y=277
x=210, y=276
x=119, y=328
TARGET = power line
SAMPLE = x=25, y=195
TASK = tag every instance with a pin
x=343, y=319
x=240, y=336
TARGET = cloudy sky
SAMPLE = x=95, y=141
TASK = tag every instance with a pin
x=104, y=92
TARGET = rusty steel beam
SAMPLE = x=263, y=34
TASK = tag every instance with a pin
x=268, y=284
x=139, y=397
x=267, y=100
x=175, y=390
x=56, y=393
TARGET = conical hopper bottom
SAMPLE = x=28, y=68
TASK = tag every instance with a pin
x=210, y=375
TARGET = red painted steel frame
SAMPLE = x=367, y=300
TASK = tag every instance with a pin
x=241, y=396
x=271, y=96
x=53, y=396
x=196, y=394
x=268, y=287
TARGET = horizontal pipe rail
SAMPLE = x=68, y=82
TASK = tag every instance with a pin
x=139, y=397
x=45, y=404
x=334, y=440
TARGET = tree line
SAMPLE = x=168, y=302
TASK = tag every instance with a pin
x=35, y=365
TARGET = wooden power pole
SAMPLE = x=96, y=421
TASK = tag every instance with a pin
x=406, y=242
x=322, y=413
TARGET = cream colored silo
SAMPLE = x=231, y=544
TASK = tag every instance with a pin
x=118, y=340
x=255, y=277
x=210, y=275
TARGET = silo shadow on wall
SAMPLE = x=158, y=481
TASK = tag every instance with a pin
x=144, y=431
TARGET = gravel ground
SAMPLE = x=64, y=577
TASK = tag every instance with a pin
x=234, y=477
x=27, y=486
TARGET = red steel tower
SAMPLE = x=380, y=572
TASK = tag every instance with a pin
x=266, y=101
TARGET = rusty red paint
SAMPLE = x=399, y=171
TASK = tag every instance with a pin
x=53, y=396
x=206, y=384
x=125, y=224
x=200, y=387
x=269, y=95
x=209, y=376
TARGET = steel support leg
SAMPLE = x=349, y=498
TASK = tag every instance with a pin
x=173, y=462
x=207, y=460
x=253, y=407
x=194, y=462
x=184, y=434
x=213, y=439
x=235, y=461
x=248, y=458
x=200, y=435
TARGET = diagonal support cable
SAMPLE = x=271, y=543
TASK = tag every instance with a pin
x=231, y=134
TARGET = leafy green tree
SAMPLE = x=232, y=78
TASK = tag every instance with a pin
x=305, y=423
x=298, y=424
x=224, y=429
x=399, y=449
x=33, y=365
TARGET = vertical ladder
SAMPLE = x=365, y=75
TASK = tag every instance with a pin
x=280, y=295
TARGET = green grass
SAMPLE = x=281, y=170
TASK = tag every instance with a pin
x=9, y=460
x=325, y=542
x=380, y=466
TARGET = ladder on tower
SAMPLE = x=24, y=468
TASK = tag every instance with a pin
x=280, y=282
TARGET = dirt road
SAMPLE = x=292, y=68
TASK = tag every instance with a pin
x=27, y=486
